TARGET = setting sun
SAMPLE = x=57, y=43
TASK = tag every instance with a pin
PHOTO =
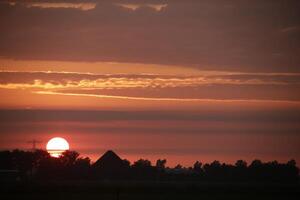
x=56, y=146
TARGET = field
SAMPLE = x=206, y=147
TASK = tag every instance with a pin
x=108, y=190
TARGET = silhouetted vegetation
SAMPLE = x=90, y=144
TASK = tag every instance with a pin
x=39, y=165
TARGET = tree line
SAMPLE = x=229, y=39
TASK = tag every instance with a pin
x=39, y=165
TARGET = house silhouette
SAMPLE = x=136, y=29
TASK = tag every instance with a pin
x=110, y=165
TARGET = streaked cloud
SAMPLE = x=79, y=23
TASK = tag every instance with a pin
x=45, y=4
x=92, y=81
x=124, y=97
x=84, y=5
x=230, y=86
x=80, y=6
x=156, y=7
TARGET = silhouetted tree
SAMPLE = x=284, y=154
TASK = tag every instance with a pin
x=142, y=163
x=198, y=167
x=40, y=165
x=142, y=169
x=68, y=158
x=6, y=160
x=178, y=166
x=240, y=171
x=256, y=164
x=126, y=162
x=82, y=167
x=161, y=164
x=213, y=170
x=241, y=164
x=291, y=171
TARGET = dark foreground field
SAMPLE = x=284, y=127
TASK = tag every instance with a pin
x=148, y=190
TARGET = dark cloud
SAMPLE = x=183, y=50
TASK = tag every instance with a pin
x=260, y=128
x=242, y=115
x=215, y=35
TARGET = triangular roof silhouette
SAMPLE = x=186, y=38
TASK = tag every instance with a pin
x=110, y=165
x=109, y=158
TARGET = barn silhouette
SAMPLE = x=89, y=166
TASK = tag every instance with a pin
x=110, y=165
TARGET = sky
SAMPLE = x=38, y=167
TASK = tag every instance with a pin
x=184, y=80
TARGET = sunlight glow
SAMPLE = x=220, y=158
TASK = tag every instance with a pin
x=56, y=146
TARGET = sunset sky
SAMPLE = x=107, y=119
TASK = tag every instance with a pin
x=184, y=80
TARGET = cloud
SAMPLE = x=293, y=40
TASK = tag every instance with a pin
x=136, y=7
x=87, y=5
x=149, y=80
x=291, y=29
x=80, y=6
x=176, y=99
x=208, y=35
x=260, y=115
x=152, y=87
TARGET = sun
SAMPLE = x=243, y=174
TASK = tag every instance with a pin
x=56, y=146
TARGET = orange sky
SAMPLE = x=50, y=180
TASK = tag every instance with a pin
x=181, y=80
